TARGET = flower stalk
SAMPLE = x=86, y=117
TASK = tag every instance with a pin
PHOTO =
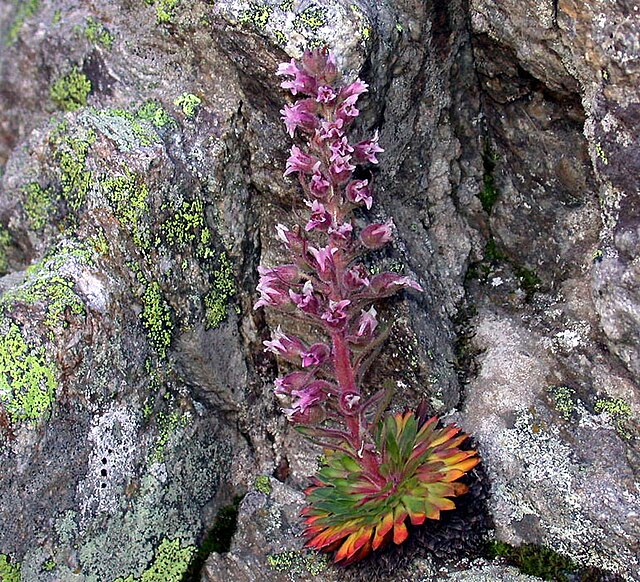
x=380, y=471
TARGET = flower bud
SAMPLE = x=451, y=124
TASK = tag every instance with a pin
x=375, y=236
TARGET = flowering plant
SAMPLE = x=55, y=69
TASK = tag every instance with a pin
x=379, y=471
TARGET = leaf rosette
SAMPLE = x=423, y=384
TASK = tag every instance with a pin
x=353, y=511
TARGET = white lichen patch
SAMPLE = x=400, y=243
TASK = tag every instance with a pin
x=115, y=441
x=575, y=336
x=93, y=290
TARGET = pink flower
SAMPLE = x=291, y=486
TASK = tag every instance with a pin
x=366, y=151
x=336, y=315
x=305, y=301
x=375, y=236
x=291, y=238
x=302, y=82
x=341, y=168
x=305, y=398
x=274, y=284
x=341, y=231
x=319, y=185
x=356, y=277
x=347, y=112
x=293, y=381
x=350, y=93
x=323, y=259
x=358, y=192
x=302, y=115
x=300, y=162
x=320, y=218
x=387, y=284
x=331, y=129
x=317, y=355
x=287, y=347
x=326, y=94
x=320, y=64
x=367, y=323
x=340, y=148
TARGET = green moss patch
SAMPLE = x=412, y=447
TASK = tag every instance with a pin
x=165, y=9
x=534, y=560
x=170, y=563
x=154, y=113
x=70, y=92
x=168, y=426
x=618, y=411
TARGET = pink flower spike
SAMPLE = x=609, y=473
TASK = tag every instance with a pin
x=367, y=323
x=287, y=347
x=332, y=129
x=358, y=192
x=386, y=284
x=356, y=277
x=347, y=112
x=351, y=92
x=300, y=162
x=306, y=397
x=336, y=316
x=324, y=259
x=317, y=355
x=290, y=68
x=319, y=185
x=326, y=94
x=293, y=381
x=366, y=151
x=301, y=115
x=342, y=231
x=320, y=218
x=340, y=148
x=375, y=236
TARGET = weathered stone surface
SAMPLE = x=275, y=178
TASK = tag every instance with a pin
x=142, y=154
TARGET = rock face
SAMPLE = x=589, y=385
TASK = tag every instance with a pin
x=141, y=157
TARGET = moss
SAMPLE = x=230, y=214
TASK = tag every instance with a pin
x=9, y=572
x=5, y=241
x=71, y=151
x=189, y=104
x=26, y=9
x=154, y=113
x=618, y=411
x=129, y=199
x=529, y=281
x=27, y=378
x=298, y=563
x=156, y=318
x=70, y=92
x=257, y=14
x=170, y=563
x=311, y=18
x=222, y=290
x=492, y=252
x=168, y=425
x=38, y=205
x=534, y=560
x=262, y=483
x=563, y=400
x=96, y=33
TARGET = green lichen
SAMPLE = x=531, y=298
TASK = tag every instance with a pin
x=262, y=483
x=601, y=154
x=280, y=37
x=563, y=400
x=156, y=318
x=618, y=411
x=57, y=17
x=124, y=128
x=129, y=199
x=50, y=565
x=168, y=425
x=38, y=205
x=257, y=14
x=529, y=280
x=183, y=226
x=170, y=563
x=9, y=572
x=298, y=563
x=597, y=255
x=165, y=9
x=71, y=151
x=70, y=92
x=26, y=9
x=28, y=378
x=189, y=104
x=286, y=5
x=5, y=241
x=95, y=32
x=534, y=560
x=154, y=113
x=222, y=290
x=311, y=19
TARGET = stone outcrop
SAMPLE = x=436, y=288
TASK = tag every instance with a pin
x=141, y=157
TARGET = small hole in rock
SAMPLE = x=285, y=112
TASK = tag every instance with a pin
x=103, y=472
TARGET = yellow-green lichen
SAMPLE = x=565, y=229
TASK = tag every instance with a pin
x=170, y=563
x=563, y=400
x=311, y=19
x=5, y=241
x=156, y=318
x=50, y=565
x=286, y=5
x=95, y=32
x=70, y=92
x=298, y=563
x=129, y=199
x=38, y=205
x=601, y=154
x=28, y=379
x=262, y=483
x=617, y=410
x=168, y=425
x=189, y=103
x=280, y=37
x=9, y=572
x=154, y=113
x=71, y=151
x=26, y=9
x=257, y=14
x=182, y=227
x=222, y=290
x=165, y=9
